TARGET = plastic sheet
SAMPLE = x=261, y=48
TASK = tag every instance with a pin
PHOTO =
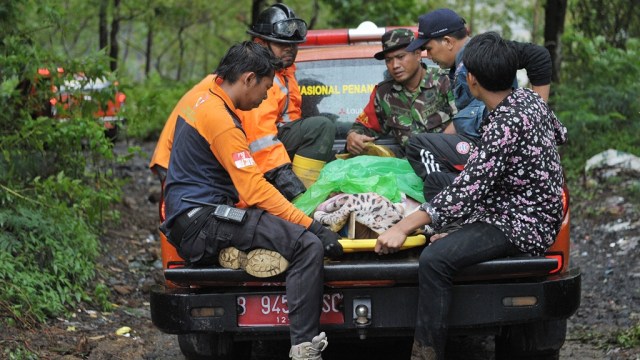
x=386, y=176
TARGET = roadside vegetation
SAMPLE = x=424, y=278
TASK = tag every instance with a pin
x=57, y=186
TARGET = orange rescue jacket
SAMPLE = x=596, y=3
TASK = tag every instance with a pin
x=282, y=105
x=165, y=142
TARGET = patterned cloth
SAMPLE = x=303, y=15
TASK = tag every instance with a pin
x=513, y=180
x=396, y=110
x=371, y=210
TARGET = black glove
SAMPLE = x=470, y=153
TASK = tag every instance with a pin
x=332, y=248
x=283, y=179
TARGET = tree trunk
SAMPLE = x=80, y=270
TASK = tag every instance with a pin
x=113, y=39
x=554, y=15
x=536, y=22
x=256, y=9
x=147, y=52
x=181, y=46
x=314, y=14
x=103, y=33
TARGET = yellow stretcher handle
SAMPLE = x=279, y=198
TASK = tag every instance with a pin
x=357, y=245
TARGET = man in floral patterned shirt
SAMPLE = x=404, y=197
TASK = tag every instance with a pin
x=509, y=193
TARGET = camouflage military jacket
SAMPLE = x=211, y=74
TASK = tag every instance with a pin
x=396, y=110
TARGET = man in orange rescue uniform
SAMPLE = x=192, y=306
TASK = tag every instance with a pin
x=160, y=159
x=289, y=150
x=211, y=169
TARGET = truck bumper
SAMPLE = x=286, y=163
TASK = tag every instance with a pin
x=392, y=309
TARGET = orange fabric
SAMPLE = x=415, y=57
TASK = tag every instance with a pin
x=215, y=124
x=262, y=122
x=165, y=142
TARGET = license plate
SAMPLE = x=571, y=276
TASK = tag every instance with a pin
x=272, y=310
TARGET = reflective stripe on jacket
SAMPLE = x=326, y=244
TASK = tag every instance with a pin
x=210, y=161
x=281, y=106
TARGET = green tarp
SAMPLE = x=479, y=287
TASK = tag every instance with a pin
x=386, y=176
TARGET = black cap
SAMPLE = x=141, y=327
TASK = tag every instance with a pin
x=435, y=24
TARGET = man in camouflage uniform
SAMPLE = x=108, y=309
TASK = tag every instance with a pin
x=415, y=100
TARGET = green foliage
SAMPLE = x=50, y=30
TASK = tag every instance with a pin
x=101, y=297
x=47, y=259
x=629, y=338
x=615, y=20
x=19, y=353
x=149, y=105
x=56, y=178
x=598, y=99
x=349, y=13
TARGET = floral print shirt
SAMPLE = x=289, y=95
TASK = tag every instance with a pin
x=513, y=180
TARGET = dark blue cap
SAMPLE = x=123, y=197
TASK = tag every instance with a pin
x=435, y=24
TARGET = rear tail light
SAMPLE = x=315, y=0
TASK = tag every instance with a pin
x=121, y=98
x=175, y=265
x=161, y=206
x=559, y=257
x=565, y=199
x=162, y=212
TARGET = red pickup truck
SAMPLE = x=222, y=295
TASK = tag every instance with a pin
x=217, y=313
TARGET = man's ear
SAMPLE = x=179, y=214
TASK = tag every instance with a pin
x=448, y=41
x=472, y=81
x=248, y=78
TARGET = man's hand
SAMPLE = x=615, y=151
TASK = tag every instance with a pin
x=390, y=241
x=357, y=142
x=329, y=239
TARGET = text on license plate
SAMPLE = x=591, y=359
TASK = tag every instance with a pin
x=272, y=310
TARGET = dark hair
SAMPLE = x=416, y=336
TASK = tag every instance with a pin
x=247, y=56
x=492, y=60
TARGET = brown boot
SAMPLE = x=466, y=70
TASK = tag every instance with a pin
x=259, y=262
x=420, y=352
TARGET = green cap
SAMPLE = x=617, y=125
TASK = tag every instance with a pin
x=393, y=40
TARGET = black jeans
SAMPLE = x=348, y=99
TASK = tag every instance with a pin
x=439, y=263
x=261, y=230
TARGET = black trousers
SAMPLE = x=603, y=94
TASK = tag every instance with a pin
x=439, y=263
x=438, y=158
x=261, y=230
